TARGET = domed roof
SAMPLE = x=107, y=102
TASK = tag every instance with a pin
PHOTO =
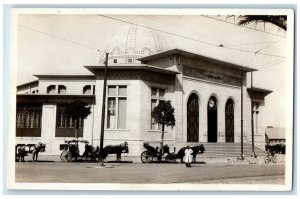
x=132, y=42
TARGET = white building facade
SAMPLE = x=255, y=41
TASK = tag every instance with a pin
x=211, y=100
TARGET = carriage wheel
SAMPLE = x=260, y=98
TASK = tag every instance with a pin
x=267, y=160
x=146, y=157
x=274, y=159
x=69, y=156
x=63, y=156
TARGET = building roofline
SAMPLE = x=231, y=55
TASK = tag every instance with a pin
x=54, y=98
x=145, y=67
x=260, y=90
x=65, y=76
x=196, y=56
x=28, y=83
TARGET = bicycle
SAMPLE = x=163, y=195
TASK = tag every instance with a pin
x=270, y=158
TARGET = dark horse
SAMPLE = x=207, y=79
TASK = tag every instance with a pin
x=24, y=150
x=195, y=149
x=115, y=149
x=40, y=147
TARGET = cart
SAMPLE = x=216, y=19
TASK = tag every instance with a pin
x=154, y=154
x=72, y=152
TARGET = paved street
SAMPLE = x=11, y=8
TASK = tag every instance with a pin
x=204, y=173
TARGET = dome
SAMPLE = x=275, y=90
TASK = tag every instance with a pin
x=132, y=42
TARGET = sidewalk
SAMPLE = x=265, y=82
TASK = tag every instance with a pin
x=136, y=159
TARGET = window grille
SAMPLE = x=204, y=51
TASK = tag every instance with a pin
x=29, y=117
x=28, y=121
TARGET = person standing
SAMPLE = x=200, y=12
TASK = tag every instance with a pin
x=188, y=153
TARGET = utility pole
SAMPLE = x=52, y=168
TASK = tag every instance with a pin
x=242, y=133
x=103, y=111
x=252, y=122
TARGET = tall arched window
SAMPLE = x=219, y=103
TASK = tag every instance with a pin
x=229, y=121
x=193, y=118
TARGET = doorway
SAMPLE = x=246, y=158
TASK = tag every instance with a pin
x=193, y=118
x=229, y=121
x=212, y=120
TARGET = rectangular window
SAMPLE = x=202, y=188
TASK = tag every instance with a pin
x=116, y=107
x=122, y=113
x=65, y=125
x=157, y=95
x=29, y=121
x=111, y=113
x=111, y=90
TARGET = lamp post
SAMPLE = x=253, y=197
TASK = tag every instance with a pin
x=103, y=112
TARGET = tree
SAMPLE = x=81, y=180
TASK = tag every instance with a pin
x=278, y=20
x=163, y=114
x=76, y=110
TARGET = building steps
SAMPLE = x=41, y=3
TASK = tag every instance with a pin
x=215, y=150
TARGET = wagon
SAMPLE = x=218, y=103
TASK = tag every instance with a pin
x=71, y=152
x=154, y=154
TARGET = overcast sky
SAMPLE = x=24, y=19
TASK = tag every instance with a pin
x=63, y=44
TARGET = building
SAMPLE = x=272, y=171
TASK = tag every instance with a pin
x=211, y=99
x=275, y=136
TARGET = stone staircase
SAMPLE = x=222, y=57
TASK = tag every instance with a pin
x=222, y=150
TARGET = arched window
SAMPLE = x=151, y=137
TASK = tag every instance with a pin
x=87, y=89
x=51, y=89
x=62, y=89
x=193, y=118
x=229, y=121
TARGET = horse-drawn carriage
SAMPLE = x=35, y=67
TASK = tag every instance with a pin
x=154, y=154
x=74, y=152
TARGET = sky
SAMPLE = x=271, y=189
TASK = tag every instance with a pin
x=63, y=44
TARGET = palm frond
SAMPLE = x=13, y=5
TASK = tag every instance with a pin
x=278, y=20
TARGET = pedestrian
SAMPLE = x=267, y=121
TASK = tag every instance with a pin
x=188, y=152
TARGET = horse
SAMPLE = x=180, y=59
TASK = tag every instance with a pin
x=21, y=152
x=115, y=149
x=40, y=147
x=195, y=149
x=24, y=150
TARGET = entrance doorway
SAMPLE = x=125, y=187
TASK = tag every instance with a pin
x=229, y=121
x=212, y=120
x=193, y=118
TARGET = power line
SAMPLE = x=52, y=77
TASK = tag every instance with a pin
x=166, y=22
x=208, y=43
x=189, y=38
x=268, y=63
x=243, y=26
x=251, y=60
x=60, y=38
x=271, y=64
x=248, y=44
x=270, y=45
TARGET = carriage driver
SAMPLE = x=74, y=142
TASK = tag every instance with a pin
x=188, y=153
